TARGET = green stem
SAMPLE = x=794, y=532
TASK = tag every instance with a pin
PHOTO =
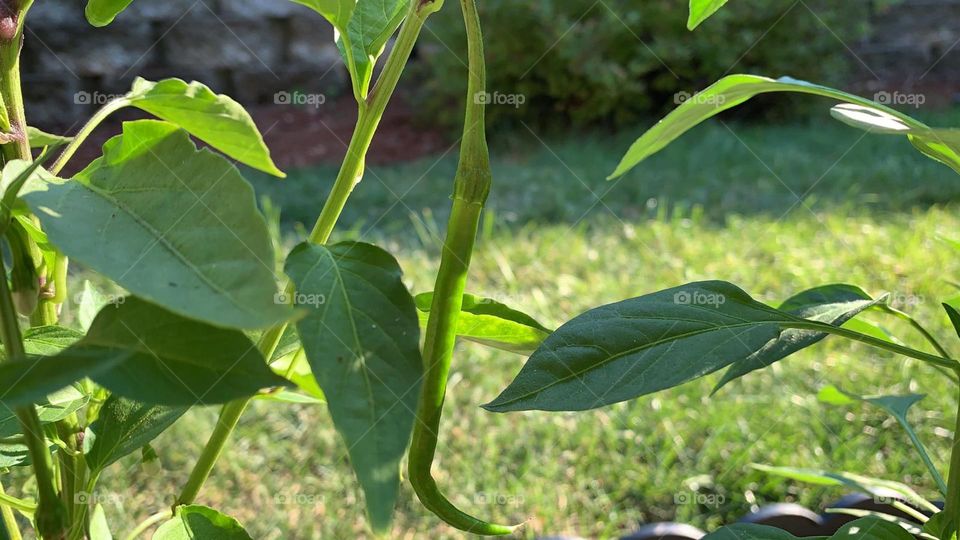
x=7, y=516
x=11, y=94
x=51, y=514
x=471, y=187
x=948, y=363
x=951, y=507
x=81, y=136
x=351, y=170
x=147, y=523
x=226, y=423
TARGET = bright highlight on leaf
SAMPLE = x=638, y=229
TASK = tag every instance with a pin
x=195, y=522
x=102, y=12
x=701, y=10
x=942, y=145
x=488, y=322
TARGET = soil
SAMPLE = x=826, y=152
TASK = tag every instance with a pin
x=303, y=136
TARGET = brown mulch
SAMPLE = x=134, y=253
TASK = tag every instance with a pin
x=300, y=136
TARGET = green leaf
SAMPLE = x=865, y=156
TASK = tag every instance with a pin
x=937, y=526
x=732, y=90
x=216, y=119
x=491, y=323
x=290, y=362
x=750, y=531
x=41, y=139
x=865, y=484
x=372, y=24
x=89, y=302
x=362, y=340
x=338, y=12
x=895, y=406
x=909, y=526
x=205, y=252
x=194, y=522
x=30, y=380
x=186, y=362
x=865, y=528
x=832, y=304
x=102, y=12
x=700, y=10
x=99, y=529
x=125, y=426
x=639, y=346
x=954, y=317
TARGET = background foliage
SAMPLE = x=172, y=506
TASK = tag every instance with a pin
x=580, y=62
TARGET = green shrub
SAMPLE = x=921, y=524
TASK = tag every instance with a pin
x=583, y=62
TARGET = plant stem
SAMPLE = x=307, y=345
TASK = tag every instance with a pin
x=951, y=507
x=8, y=517
x=226, y=423
x=351, y=170
x=81, y=136
x=147, y=523
x=51, y=514
x=804, y=324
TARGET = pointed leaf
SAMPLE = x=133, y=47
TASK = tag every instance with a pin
x=338, y=12
x=832, y=304
x=204, y=252
x=372, y=24
x=491, y=323
x=195, y=522
x=635, y=347
x=750, y=531
x=362, y=340
x=40, y=139
x=215, y=119
x=186, y=362
x=865, y=484
x=125, y=426
x=102, y=12
x=732, y=90
x=700, y=10
x=99, y=529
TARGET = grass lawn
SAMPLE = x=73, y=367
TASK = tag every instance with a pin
x=558, y=240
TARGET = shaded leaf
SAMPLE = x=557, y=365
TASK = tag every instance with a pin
x=491, y=323
x=204, y=253
x=642, y=345
x=186, y=362
x=832, y=304
x=124, y=426
x=361, y=339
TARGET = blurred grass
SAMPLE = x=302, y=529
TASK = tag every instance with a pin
x=871, y=214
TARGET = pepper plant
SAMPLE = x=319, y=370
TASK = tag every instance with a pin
x=208, y=318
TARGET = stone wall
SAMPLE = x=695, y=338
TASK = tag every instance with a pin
x=248, y=49
x=252, y=49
